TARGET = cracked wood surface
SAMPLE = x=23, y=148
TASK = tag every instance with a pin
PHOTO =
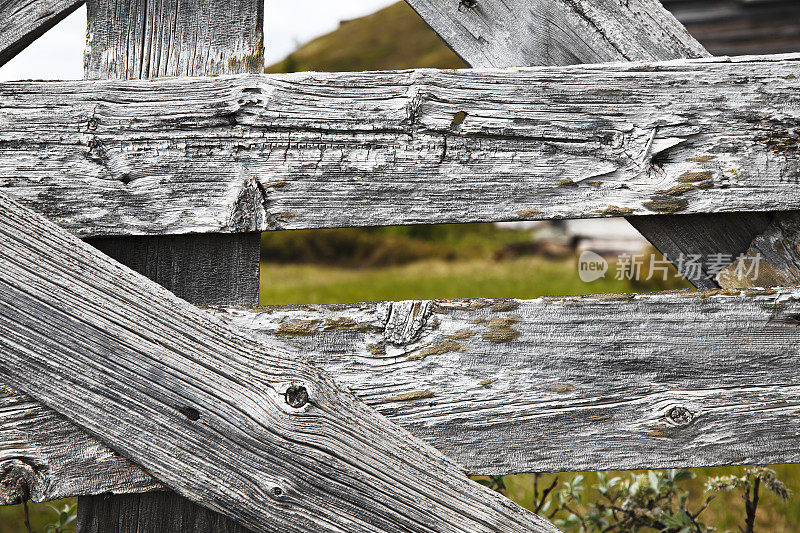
x=155, y=38
x=561, y=32
x=521, y=33
x=24, y=21
x=224, y=420
x=144, y=39
x=662, y=380
x=251, y=153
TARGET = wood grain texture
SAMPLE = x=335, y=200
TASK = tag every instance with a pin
x=520, y=33
x=251, y=153
x=704, y=237
x=155, y=38
x=241, y=427
x=212, y=269
x=775, y=252
x=143, y=39
x=153, y=512
x=505, y=386
x=24, y=21
x=57, y=458
x=559, y=32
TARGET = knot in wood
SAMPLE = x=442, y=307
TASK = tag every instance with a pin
x=680, y=415
x=296, y=396
x=17, y=478
x=95, y=147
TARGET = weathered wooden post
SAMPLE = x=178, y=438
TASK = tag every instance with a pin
x=140, y=39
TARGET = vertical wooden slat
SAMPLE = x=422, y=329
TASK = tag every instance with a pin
x=154, y=38
x=208, y=269
x=145, y=39
x=152, y=512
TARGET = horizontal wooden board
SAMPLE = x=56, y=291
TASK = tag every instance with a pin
x=684, y=379
x=238, y=426
x=309, y=150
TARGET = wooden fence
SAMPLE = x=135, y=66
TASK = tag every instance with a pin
x=162, y=416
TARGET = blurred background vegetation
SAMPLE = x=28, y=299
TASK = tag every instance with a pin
x=444, y=261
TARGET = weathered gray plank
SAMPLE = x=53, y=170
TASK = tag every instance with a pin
x=150, y=39
x=142, y=39
x=282, y=152
x=558, y=32
x=212, y=269
x=153, y=512
x=42, y=457
x=24, y=21
x=239, y=426
x=516, y=33
x=501, y=386
x=777, y=252
x=705, y=237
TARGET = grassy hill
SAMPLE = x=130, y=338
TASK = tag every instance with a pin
x=393, y=38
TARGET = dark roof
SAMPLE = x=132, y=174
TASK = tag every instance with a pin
x=739, y=27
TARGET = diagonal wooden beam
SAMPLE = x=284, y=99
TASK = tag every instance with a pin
x=239, y=426
x=562, y=32
x=524, y=33
x=24, y=21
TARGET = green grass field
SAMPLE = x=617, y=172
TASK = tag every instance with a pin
x=526, y=277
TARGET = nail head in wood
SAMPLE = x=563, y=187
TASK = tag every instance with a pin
x=190, y=413
x=296, y=396
x=680, y=415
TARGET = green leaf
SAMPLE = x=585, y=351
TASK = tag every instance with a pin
x=682, y=474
